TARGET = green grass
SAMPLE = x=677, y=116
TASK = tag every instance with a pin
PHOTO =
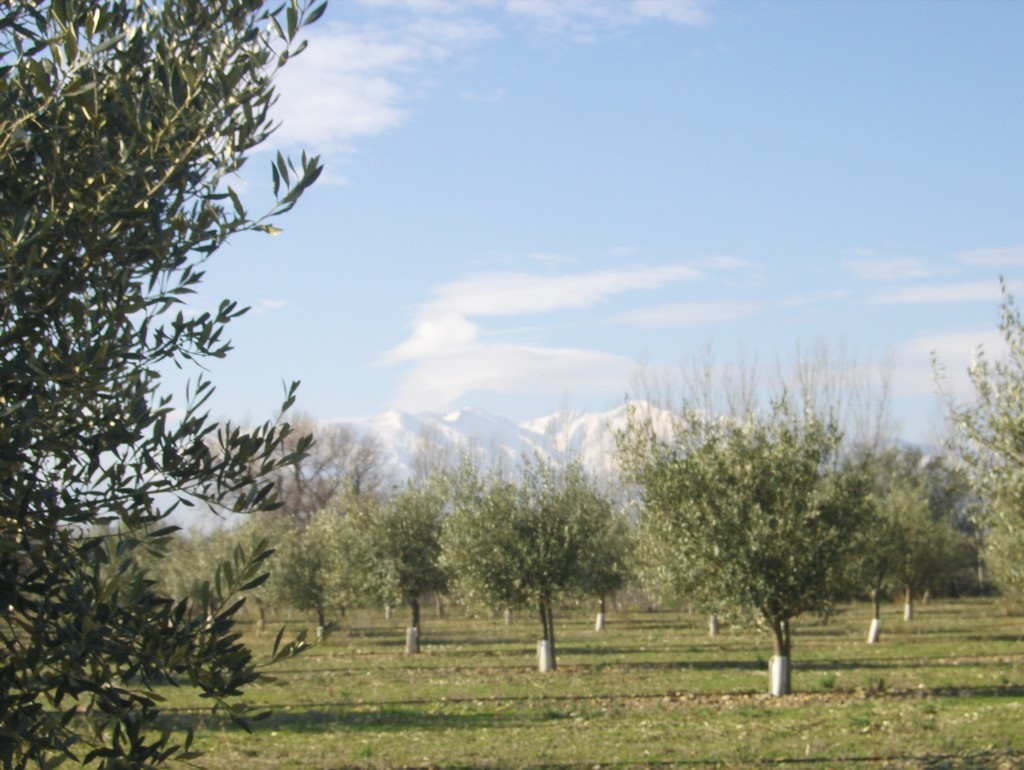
x=652, y=690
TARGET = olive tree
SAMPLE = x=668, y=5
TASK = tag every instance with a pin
x=990, y=441
x=121, y=124
x=876, y=549
x=915, y=536
x=389, y=550
x=303, y=566
x=753, y=511
x=607, y=567
x=926, y=547
x=529, y=540
x=476, y=535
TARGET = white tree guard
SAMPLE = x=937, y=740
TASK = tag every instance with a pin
x=874, y=631
x=778, y=675
x=545, y=660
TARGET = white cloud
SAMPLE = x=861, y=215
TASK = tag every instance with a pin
x=686, y=314
x=687, y=12
x=823, y=296
x=438, y=381
x=549, y=258
x=622, y=251
x=496, y=96
x=891, y=269
x=914, y=374
x=351, y=81
x=268, y=305
x=587, y=14
x=498, y=294
x=416, y=6
x=357, y=79
x=436, y=334
x=1010, y=256
x=450, y=354
x=722, y=262
x=970, y=291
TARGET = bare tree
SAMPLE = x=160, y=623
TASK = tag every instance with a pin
x=338, y=456
x=433, y=455
x=854, y=392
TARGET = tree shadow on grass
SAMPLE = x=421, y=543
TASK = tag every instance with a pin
x=798, y=663
x=390, y=718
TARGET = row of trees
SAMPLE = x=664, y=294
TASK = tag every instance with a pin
x=762, y=518
x=497, y=540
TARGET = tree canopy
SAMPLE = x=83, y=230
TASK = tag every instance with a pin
x=121, y=125
x=990, y=440
x=754, y=513
x=544, y=535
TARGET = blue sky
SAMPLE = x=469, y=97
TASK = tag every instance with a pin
x=527, y=202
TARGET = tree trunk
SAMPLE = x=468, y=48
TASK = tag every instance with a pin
x=412, y=633
x=321, y=622
x=978, y=546
x=779, y=675
x=876, y=611
x=908, y=604
x=412, y=640
x=599, y=623
x=551, y=635
x=713, y=625
x=547, y=623
x=508, y=616
x=261, y=620
x=546, y=646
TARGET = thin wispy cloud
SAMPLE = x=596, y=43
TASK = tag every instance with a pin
x=588, y=15
x=450, y=353
x=502, y=294
x=1009, y=256
x=686, y=12
x=357, y=81
x=967, y=291
x=441, y=380
x=888, y=269
x=361, y=79
x=417, y=6
x=916, y=359
x=622, y=251
x=266, y=305
x=683, y=314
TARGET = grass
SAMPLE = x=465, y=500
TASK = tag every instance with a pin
x=652, y=690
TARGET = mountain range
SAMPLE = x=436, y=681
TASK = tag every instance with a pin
x=409, y=442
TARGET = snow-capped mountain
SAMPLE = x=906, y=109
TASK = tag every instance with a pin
x=410, y=442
